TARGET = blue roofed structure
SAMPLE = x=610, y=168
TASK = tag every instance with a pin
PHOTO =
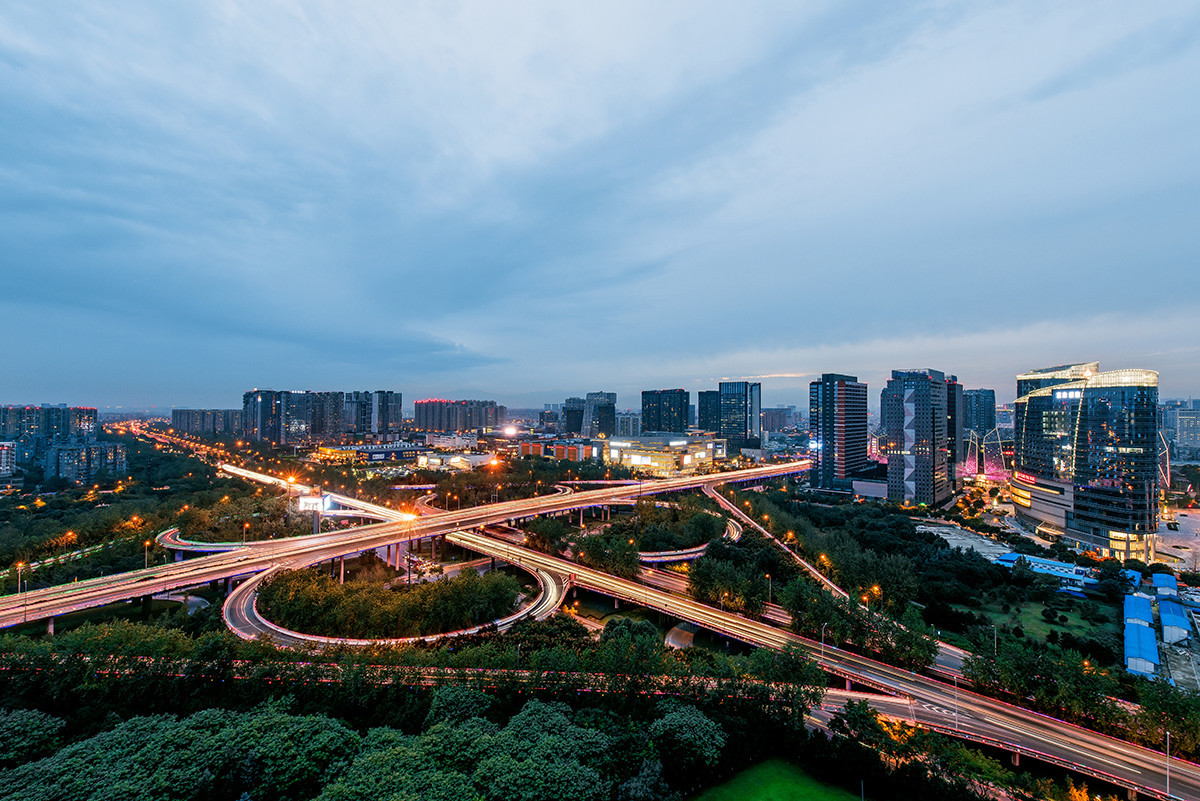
x=1138, y=610
x=1176, y=626
x=1070, y=575
x=1141, y=650
x=1165, y=585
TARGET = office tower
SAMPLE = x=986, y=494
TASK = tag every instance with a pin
x=979, y=410
x=1086, y=458
x=207, y=422
x=327, y=422
x=548, y=419
x=837, y=429
x=708, y=412
x=8, y=458
x=955, y=453
x=1187, y=428
x=387, y=414
x=740, y=414
x=779, y=418
x=358, y=412
x=665, y=410
x=261, y=416
x=629, y=424
x=572, y=415
x=592, y=406
x=1053, y=376
x=691, y=415
x=915, y=418
x=438, y=414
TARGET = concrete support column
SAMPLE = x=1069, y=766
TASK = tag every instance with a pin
x=227, y=582
x=342, y=570
x=1016, y=759
x=146, y=602
x=387, y=554
x=848, y=683
x=50, y=627
x=493, y=563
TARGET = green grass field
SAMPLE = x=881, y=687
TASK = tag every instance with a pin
x=774, y=780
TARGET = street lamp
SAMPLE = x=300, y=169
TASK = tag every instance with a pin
x=245, y=530
x=24, y=600
x=146, y=554
x=768, y=587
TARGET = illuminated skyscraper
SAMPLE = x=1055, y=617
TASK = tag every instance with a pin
x=837, y=429
x=1086, y=457
x=915, y=419
x=741, y=414
x=665, y=410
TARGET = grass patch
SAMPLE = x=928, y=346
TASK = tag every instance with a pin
x=774, y=780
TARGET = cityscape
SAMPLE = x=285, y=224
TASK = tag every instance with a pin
x=516, y=403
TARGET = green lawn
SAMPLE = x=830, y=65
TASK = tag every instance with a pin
x=774, y=780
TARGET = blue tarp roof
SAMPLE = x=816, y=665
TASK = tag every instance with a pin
x=1134, y=576
x=1172, y=614
x=1140, y=643
x=1137, y=607
x=1164, y=580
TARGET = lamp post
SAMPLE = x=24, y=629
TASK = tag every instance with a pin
x=245, y=530
x=24, y=600
x=146, y=554
x=768, y=587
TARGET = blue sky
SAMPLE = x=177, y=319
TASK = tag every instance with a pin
x=523, y=201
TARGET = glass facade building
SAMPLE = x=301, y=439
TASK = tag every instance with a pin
x=741, y=414
x=1086, y=458
x=916, y=421
x=837, y=429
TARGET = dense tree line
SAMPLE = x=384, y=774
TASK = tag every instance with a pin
x=312, y=602
x=669, y=528
x=735, y=574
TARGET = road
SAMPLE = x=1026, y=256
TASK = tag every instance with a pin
x=956, y=711
x=52, y=601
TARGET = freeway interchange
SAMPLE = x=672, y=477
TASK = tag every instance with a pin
x=924, y=700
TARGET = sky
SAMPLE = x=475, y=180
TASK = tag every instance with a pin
x=525, y=201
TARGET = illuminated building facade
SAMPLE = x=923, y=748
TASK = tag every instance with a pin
x=979, y=411
x=915, y=419
x=1086, y=457
x=207, y=421
x=837, y=429
x=663, y=456
x=377, y=414
x=741, y=414
x=436, y=414
x=665, y=410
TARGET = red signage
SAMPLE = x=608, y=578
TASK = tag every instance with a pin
x=1028, y=479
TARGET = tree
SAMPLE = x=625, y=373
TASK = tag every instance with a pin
x=687, y=740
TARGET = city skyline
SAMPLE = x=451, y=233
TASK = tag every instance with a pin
x=197, y=205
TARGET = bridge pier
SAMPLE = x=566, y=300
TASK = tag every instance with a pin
x=387, y=555
x=848, y=685
x=1015, y=758
x=50, y=627
x=146, y=601
x=227, y=581
x=342, y=569
x=1131, y=794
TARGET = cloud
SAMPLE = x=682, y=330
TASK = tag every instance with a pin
x=502, y=200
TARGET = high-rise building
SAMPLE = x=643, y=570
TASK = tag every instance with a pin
x=708, y=412
x=955, y=452
x=84, y=462
x=741, y=414
x=1085, y=466
x=979, y=410
x=629, y=424
x=837, y=429
x=262, y=414
x=779, y=418
x=665, y=410
x=599, y=414
x=210, y=422
x=572, y=415
x=375, y=413
x=915, y=418
x=437, y=414
x=8, y=459
x=1187, y=428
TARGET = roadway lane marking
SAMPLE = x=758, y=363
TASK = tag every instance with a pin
x=1038, y=736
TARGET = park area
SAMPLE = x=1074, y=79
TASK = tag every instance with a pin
x=774, y=780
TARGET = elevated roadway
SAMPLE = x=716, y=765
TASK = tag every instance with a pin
x=53, y=601
x=956, y=712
